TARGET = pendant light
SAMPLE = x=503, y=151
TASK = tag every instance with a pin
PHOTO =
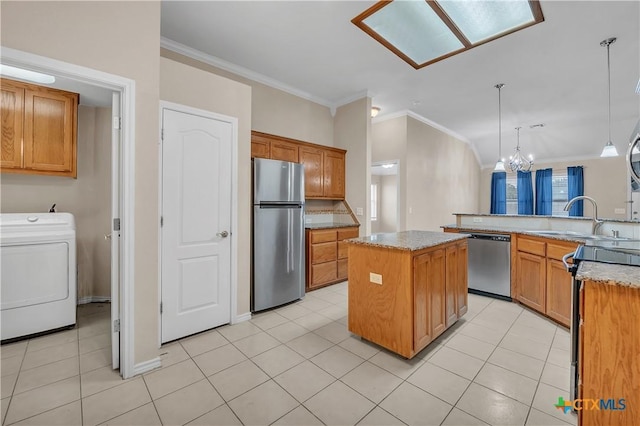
x=500, y=163
x=609, y=149
x=517, y=162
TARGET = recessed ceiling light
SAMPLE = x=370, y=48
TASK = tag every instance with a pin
x=424, y=32
x=22, y=74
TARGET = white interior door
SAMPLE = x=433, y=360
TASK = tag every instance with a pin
x=115, y=233
x=196, y=223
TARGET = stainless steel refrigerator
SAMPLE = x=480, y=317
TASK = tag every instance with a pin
x=278, y=233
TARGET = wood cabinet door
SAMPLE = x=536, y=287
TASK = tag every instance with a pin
x=284, y=151
x=437, y=280
x=343, y=269
x=422, y=334
x=463, y=288
x=323, y=273
x=50, y=132
x=531, y=275
x=451, y=287
x=260, y=149
x=334, y=175
x=12, y=118
x=558, y=303
x=313, y=168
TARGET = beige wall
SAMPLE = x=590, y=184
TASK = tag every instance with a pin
x=88, y=198
x=274, y=111
x=443, y=177
x=121, y=38
x=186, y=85
x=389, y=142
x=352, y=128
x=605, y=180
x=388, y=203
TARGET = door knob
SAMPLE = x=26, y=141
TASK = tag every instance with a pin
x=223, y=234
x=107, y=236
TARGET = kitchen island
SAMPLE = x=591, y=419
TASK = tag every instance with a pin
x=609, y=343
x=406, y=288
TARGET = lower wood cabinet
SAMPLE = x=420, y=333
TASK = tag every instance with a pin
x=609, y=348
x=542, y=281
x=531, y=273
x=327, y=255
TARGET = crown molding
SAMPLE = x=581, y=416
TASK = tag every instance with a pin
x=198, y=55
x=356, y=96
x=430, y=123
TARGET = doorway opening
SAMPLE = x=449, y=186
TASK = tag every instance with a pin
x=385, y=205
x=110, y=105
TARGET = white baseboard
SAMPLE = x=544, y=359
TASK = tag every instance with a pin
x=145, y=366
x=241, y=318
x=93, y=299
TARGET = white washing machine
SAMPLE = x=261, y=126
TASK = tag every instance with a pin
x=38, y=273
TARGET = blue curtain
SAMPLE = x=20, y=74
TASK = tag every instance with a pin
x=525, y=193
x=544, y=195
x=576, y=188
x=499, y=193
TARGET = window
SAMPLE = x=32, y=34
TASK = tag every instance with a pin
x=512, y=195
x=560, y=193
x=374, y=201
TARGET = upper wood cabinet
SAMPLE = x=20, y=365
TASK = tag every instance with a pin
x=313, y=160
x=334, y=174
x=39, y=130
x=324, y=167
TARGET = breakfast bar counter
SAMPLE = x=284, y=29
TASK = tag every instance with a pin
x=406, y=288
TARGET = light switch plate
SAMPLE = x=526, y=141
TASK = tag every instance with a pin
x=619, y=211
x=359, y=211
x=375, y=278
x=477, y=220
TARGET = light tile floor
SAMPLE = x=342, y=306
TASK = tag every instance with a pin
x=298, y=365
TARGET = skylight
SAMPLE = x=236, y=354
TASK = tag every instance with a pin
x=422, y=32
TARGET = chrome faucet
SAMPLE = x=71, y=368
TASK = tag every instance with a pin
x=597, y=223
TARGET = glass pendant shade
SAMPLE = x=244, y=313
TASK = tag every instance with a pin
x=499, y=166
x=609, y=150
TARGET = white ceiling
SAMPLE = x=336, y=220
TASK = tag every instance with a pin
x=554, y=72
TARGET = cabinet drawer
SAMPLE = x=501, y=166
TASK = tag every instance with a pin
x=343, y=250
x=324, y=272
x=531, y=246
x=323, y=236
x=323, y=252
x=346, y=233
x=556, y=251
x=343, y=269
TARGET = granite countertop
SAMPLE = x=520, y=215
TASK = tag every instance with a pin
x=609, y=274
x=509, y=230
x=329, y=225
x=606, y=219
x=407, y=240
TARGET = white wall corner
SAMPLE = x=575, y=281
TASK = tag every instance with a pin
x=241, y=318
x=146, y=366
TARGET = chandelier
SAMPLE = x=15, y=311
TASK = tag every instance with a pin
x=517, y=162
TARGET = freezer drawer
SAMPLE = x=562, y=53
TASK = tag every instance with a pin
x=278, y=256
x=277, y=181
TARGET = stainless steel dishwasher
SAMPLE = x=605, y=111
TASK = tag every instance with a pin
x=490, y=265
